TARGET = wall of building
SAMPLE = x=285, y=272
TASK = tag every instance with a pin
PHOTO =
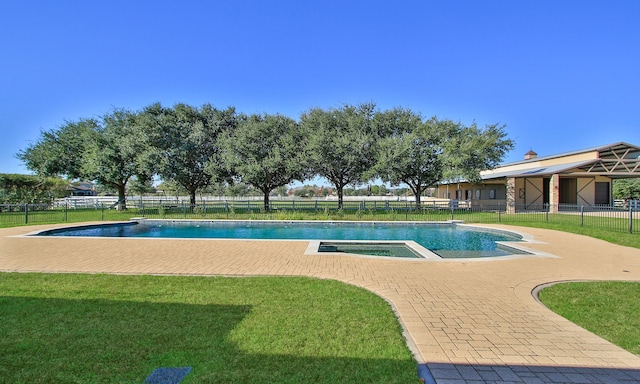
x=484, y=194
x=587, y=189
x=530, y=192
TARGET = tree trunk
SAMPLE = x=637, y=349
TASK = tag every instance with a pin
x=340, y=196
x=266, y=201
x=192, y=198
x=122, y=198
x=416, y=192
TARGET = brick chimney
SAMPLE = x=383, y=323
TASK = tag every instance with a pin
x=530, y=155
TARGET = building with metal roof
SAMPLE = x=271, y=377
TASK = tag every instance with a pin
x=582, y=177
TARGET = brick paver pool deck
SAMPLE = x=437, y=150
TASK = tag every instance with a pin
x=469, y=321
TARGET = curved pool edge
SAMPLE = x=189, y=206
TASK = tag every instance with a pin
x=312, y=248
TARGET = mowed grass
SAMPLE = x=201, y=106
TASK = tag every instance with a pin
x=608, y=309
x=74, y=328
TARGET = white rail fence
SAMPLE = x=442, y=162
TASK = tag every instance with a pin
x=80, y=202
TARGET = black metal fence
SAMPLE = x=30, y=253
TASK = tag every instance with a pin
x=618, y=219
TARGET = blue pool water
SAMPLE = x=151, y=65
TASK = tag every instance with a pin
x=446, y=240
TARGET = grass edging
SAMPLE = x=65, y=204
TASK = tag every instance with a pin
x=611, y=312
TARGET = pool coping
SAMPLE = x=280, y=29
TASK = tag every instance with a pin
x=313, y=246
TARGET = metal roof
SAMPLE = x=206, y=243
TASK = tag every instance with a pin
x=601, y=148
x=535, y=171
x=617, y=160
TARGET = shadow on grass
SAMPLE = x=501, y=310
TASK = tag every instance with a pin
x=108, y=341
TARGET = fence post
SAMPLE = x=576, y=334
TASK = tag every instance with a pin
x=26, y=213
x=582, y=215
x=102, y=211
x=630, y=218
x=452, y=212
x=546, y=211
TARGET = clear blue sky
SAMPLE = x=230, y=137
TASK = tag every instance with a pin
x=562, y=75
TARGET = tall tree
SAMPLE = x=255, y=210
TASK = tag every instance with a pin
x=113, y=155
x=471, y=149
x=31, y=189
x=61, y=151
x=106, y=150
x=341, y=144
x=420, y=154
x=141, y=184
x=185, y=140
x=266, y=152
x=626, y=189
x=411, y=151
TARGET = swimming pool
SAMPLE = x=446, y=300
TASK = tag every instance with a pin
x=447, y=240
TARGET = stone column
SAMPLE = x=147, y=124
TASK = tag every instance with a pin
x=554, y=193
x=511, y=195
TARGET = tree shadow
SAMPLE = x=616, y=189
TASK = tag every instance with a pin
x=111, y=341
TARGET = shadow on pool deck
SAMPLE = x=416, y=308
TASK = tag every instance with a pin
x=526, y=374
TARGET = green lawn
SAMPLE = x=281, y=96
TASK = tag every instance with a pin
x=608, y=309
x=76, y=328
x=620, y=238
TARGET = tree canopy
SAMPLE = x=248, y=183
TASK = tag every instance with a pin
x=184, y=143
x=114, y=154
x=196, y=148
x=626, y=189
x=413, y=153
x=106, y=150
x=422, y=153
x=267, y=152
x=471, y=149
x=31, y=189
x=341, y=144
x=62, y=151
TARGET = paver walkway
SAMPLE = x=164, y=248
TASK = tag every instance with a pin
x=468, y=321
